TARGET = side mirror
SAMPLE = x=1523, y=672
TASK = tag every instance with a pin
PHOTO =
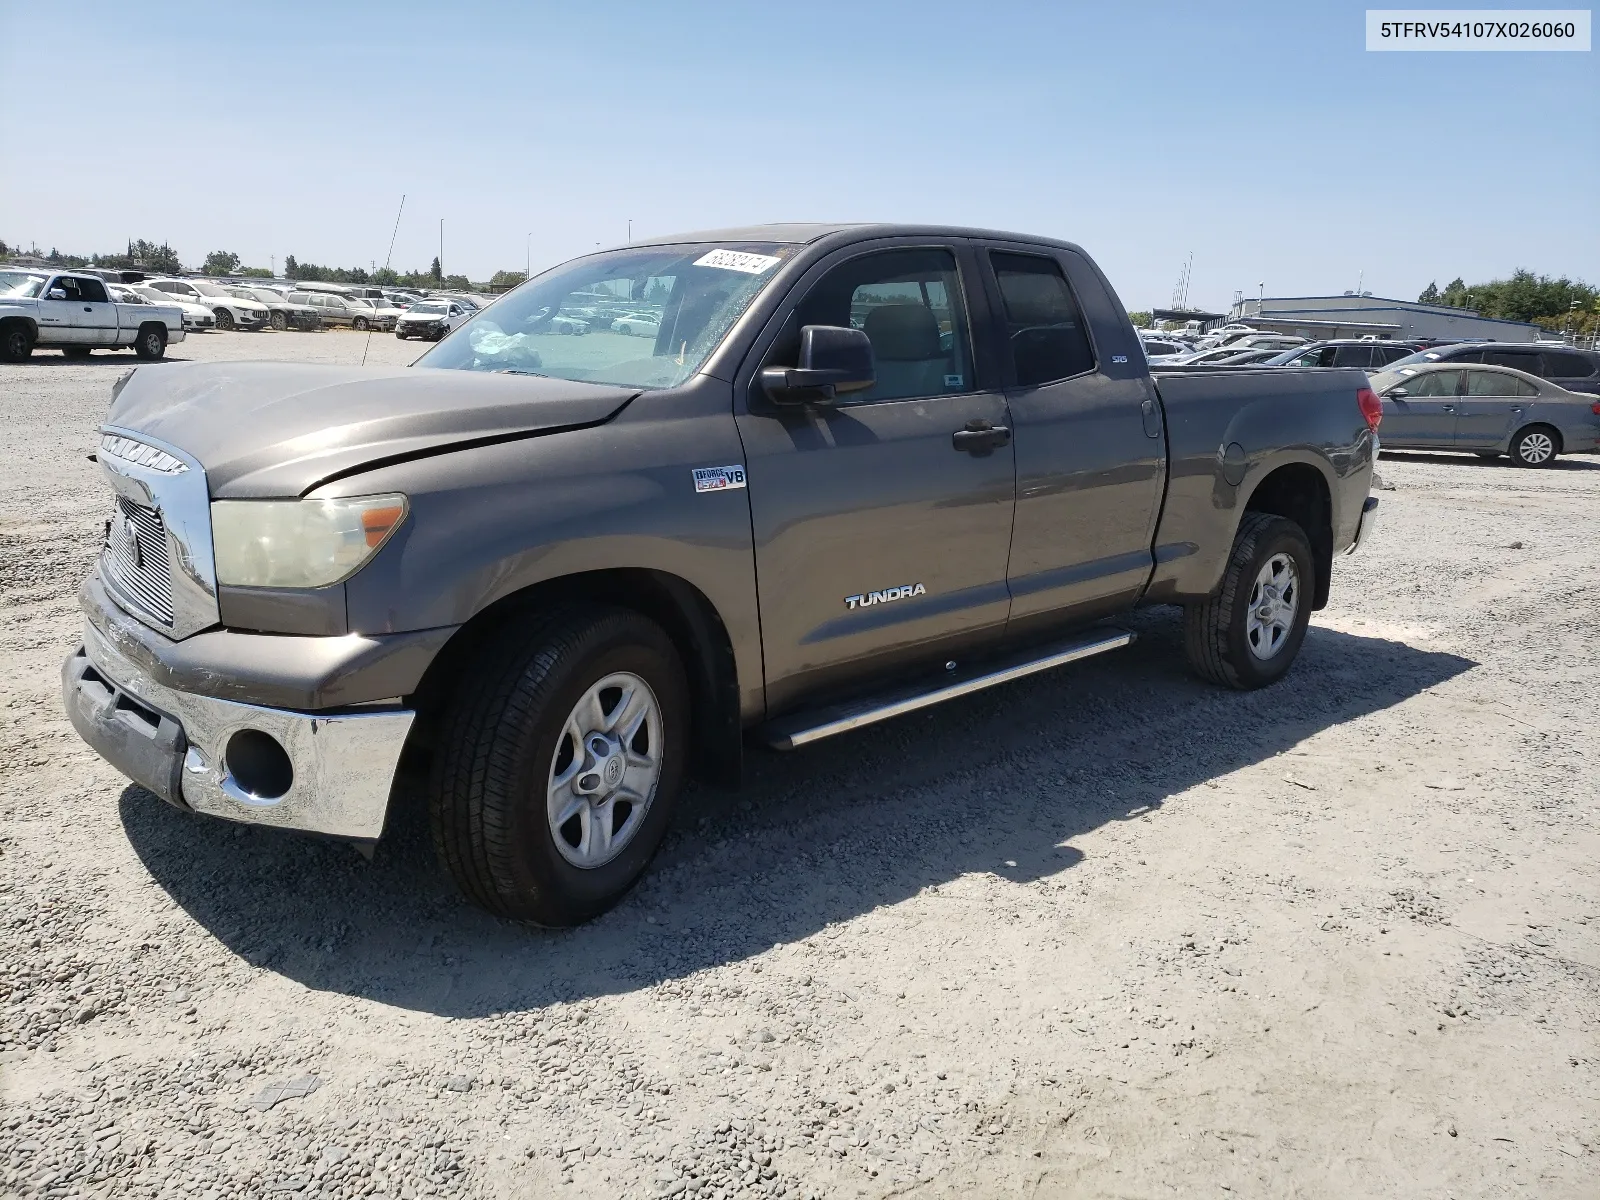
x=1396, y=394
x=834, y=361
x=58, y=293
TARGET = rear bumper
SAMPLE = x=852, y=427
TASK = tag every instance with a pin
x=1369, y=519
x=185, y=748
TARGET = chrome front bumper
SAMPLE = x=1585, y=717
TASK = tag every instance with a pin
x=178, y=744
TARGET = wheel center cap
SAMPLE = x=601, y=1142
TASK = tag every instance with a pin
x=612, y=773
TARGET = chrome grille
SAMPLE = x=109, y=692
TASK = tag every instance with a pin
x=136, y=560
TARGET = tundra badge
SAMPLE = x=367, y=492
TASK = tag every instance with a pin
x=903, y=592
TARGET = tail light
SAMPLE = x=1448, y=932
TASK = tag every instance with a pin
x=1371, y=407
x=1594, y=408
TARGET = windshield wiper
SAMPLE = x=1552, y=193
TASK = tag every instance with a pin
x=514, y=371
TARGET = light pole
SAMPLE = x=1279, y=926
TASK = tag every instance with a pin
x=630, y=231
x=1261, y=296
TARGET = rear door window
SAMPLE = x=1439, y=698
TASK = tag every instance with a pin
x=1491, y=383
x=1522, y=360
x=1044, y=326
x=1560, y=364
x=1353, y=356
x=1383, y=355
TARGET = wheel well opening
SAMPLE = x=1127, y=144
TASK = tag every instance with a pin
x=1555, y=434
x=680, y=608
x=1299, y=493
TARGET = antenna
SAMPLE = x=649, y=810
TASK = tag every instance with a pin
x=386, y=261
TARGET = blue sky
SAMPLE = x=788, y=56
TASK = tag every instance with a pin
x=1262, y=137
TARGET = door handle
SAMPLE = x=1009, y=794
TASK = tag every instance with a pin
x=980, y=437
x=1447, y=408
x=86, y=308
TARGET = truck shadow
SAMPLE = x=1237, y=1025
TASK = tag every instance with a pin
x=1000, y=782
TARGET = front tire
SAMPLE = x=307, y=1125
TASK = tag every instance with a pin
x=560, y=758
x=224, y=320
x=359, y=324
x=151, y=343
x=16, y=342
x=1248, y=634
x=1535, y=446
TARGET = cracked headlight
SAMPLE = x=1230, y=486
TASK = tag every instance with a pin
x=300, y=543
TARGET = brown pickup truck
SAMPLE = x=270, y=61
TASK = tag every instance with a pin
x=845, y=472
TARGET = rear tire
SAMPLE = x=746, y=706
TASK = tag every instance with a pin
x=151, y=343
x=1248, y=634
x=16, y=342
x=224, y=320
x=1535, y=446
x=507, y=739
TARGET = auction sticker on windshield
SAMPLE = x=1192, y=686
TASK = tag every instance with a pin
x=718, y=479
x=738, y=260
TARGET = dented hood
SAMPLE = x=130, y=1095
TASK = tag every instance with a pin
x=280, y=429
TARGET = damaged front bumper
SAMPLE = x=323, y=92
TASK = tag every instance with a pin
x=321, y=772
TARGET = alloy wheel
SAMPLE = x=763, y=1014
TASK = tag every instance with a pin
x=605, y=770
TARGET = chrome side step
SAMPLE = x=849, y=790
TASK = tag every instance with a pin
x=801, y=729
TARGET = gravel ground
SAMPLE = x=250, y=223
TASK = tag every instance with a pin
x=1109, y=932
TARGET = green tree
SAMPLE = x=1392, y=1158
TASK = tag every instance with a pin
x=1430, y=294
x=1455, y=293
x=162, y=259
x=1141, y=320
x=221, y=262
x=385, y=277
x=502, y=281
x=436, y=272
x=255, y=272
x=291, y=269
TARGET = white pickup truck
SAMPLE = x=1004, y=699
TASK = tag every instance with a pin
x=72, y=312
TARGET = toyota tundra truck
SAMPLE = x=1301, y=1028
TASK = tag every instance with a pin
x=542, y=580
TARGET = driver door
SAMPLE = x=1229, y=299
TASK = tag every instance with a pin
x=1425, y=417
x=57, y=320
x=881, y=537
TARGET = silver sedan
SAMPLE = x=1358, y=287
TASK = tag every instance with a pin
x=1488, y=410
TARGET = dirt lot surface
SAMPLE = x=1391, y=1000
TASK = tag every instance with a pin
x=1109, y=932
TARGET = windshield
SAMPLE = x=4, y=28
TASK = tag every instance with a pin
x=157, y=295
x=432, y=310
x=208, y=289
x=645, y=317
x=20, y=283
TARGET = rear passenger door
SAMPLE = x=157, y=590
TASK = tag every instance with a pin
x=96, y=315
x=1091, y=458
x=1490, y=407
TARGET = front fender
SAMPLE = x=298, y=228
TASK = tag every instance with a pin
x=488, y=522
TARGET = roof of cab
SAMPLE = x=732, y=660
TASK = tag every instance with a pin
x=801, y=232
